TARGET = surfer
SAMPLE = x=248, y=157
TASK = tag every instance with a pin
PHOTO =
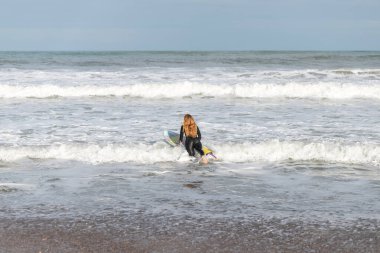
x=193, y=137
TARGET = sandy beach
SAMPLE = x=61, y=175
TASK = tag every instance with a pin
x=139, y=233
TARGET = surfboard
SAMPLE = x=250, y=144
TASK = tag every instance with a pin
x=172, y=138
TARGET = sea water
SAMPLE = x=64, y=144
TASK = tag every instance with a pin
x=296, y=134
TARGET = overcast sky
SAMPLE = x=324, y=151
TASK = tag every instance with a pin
x=190, y=25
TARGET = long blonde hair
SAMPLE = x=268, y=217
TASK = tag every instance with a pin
x=189, y=126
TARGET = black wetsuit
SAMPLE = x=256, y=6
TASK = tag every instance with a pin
x=191, y=143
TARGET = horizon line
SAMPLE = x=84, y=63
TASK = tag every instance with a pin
x=202, y=50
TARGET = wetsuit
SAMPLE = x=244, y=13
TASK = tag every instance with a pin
x=191, y=143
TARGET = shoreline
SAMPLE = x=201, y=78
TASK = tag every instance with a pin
x=144, y=233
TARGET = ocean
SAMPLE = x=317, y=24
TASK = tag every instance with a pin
x=296, y=133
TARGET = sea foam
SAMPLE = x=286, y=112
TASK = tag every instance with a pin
x=188, y=89
x=269, y=151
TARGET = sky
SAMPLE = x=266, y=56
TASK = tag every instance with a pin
x=46, y=25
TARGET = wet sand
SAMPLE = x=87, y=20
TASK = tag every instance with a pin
x=147, y=233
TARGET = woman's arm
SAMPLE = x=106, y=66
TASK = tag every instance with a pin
x=199, y=133
x=181, y=134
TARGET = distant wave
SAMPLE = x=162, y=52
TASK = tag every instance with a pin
x=271, y=151
x=187, y=89
x=26, y=76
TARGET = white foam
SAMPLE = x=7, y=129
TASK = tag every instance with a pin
x=185, y=89
x=181, y=82
x=93, y=153
x=275, y=150
x=271, y=151
x=14, y=186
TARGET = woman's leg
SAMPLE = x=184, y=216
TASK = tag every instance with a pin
x=198, y=147
x=189, y=144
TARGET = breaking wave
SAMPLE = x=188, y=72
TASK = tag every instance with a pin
x=275, y=150
x=188, y=89
x=270, y=151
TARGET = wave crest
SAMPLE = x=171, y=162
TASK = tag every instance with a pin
x=186, y=89
x=275, y=150
x=270, y=151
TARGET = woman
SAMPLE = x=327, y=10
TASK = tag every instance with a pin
x=193, y=137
